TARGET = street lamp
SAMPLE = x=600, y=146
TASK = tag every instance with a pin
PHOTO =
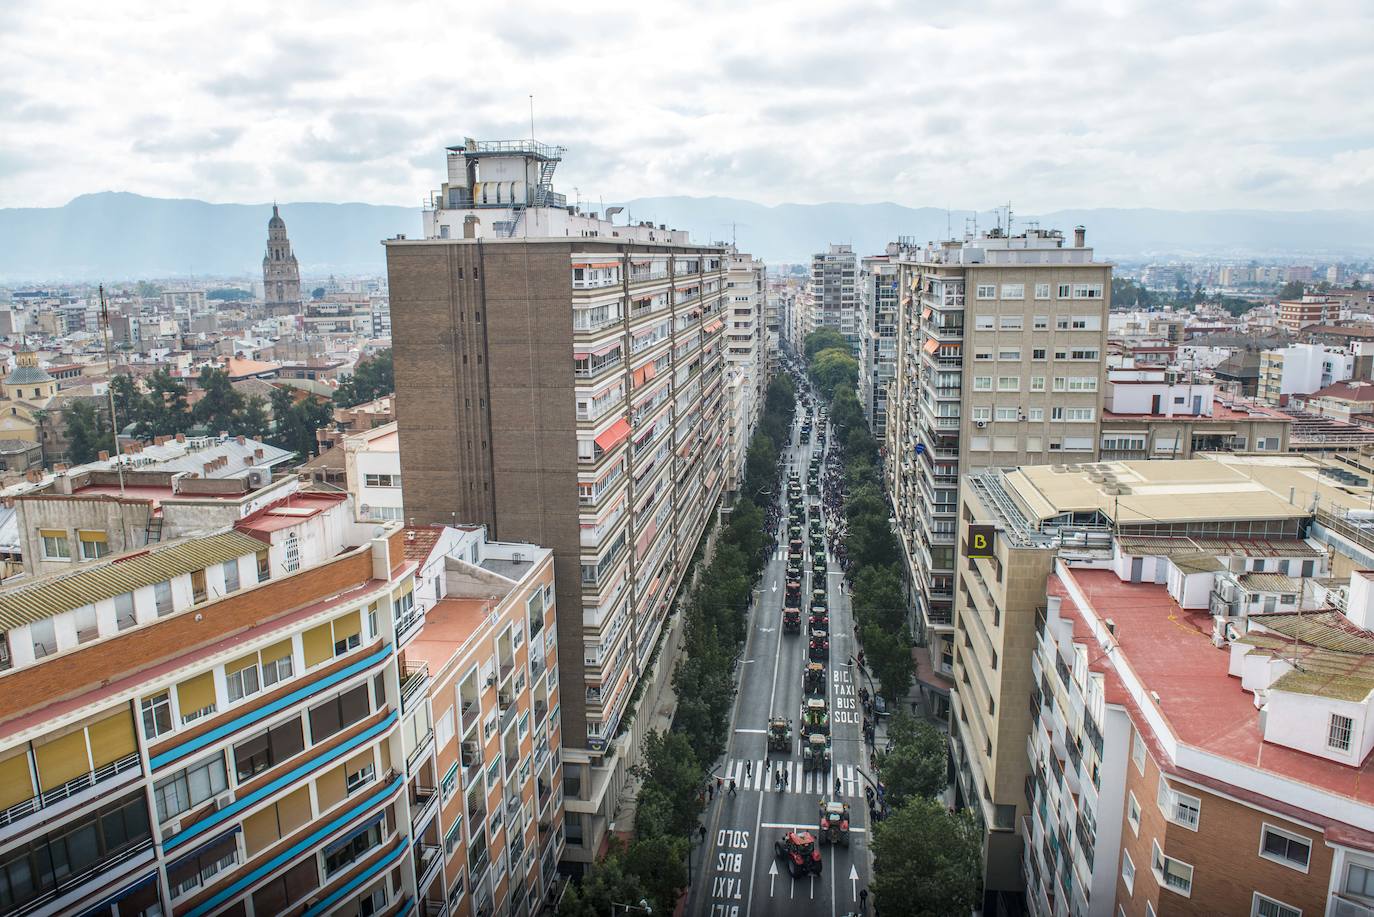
x=642, y=906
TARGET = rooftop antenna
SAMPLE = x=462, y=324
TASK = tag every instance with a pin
x=531, y=117
x=949, y=226
x=1008, y=219
x=109, y=387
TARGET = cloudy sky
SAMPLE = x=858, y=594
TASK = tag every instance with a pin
x=1049, y=103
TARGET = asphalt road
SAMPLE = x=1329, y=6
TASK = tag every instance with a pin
x=735, y=870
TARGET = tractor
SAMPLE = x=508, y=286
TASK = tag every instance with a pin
x=791, y=620
x=818, y=564
x=818, y=597
x=813, y=679
x=780, y=734
x=816, y=753
x=834, y=822
x=820, y=618
x=800, y=851
x=793, y=591
x=815, y=717
x=818, y=649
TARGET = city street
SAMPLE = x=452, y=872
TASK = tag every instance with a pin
x=735, y=870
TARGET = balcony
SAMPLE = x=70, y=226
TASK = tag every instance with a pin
x=595, y=283
x=431, y=907
x=1345, y=906
x=413, y=683
x=126, y=765
x=423, y=801
x=427, y=860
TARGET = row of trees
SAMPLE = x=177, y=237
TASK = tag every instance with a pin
x=927, y=859
x=654, y=866
x=159, y=405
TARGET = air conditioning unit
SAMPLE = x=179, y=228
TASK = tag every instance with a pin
x=980, y=424
x=224, y=801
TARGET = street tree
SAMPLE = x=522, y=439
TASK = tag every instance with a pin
x=823, y=339
x=915, y=768
x=926, y=861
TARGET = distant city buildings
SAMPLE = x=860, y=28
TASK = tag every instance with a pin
x=833, y=296
x=877, y=333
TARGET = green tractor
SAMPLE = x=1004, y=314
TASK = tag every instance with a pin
x=816, y=753
x=780, y=734
x=815, y=717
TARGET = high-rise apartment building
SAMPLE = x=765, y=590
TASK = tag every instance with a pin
x=1195, y=642
x=281, y=275
x=560, y=379
x=834, y=293
x=877, y=334
x=745, y=359
x=292, y=714
x=1000, y=348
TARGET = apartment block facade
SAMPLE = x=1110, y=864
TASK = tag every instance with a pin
x=1183, y=750
x=746, y=359
x=877, y=334
x=560, y=379
x=234, y=724
x=999, y=361
x=834, y=293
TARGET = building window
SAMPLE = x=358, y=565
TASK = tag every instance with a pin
x=231, y=576
x=1064, y=290
x=1174, y=875
x=1359, y=880
x=984, y=322
x=192, y=872
x=1338, y=732
x=157, y=715
x=382, y=480
x=125, y=617
x=1138, y=753
x=1133, y=813
x=264, y=566
x=1042, y=291
x=243, y=682
x=1268, y=907
x=190, y=787
x=364, y=774
x=268, y=749
x=1009, y=383
x=1179, y=808
x=982, y=415
x=55, y=544
x=1013, y=291
x=1012, y=354
x=1282, y=847
x=1040, y=323
x=982, y=383
x=293, y=552
x=344, y=852
x=338, y=713
x=1128, y=872
x=1011, y=414
x=198, y=593
x=986, y=291
x=278, y=668
x=1037, y=353
x=94, y=545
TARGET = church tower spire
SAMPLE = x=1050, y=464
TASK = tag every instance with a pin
x=281, y=275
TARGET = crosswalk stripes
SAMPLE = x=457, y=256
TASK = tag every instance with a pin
x=810, y=783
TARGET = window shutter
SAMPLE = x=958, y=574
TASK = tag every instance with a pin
x=238, y=665
x=271, y=654
x=350, y=625
x=318, y=645
x=16, y=784
x=62, y=759
x=196, y=693
x=112, y=738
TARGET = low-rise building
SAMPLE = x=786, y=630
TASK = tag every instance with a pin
x=1304, y=368
x=1160, y=414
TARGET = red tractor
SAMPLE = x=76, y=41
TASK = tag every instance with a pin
x=818, y=650
x=791, y=620
x=820, y=618
x=800, y=850
x=834, y=822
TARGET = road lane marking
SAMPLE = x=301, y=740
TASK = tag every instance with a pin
x=752, y=731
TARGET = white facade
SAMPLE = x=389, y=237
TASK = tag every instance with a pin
x=745, y=365
x=877, y=321
x=834, y=293
x=1307, y=367
x=1143, y=391
x=372, y=465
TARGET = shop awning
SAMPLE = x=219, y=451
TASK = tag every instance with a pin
x=931, y=346
x=614, y=435
x=925, y=313
x=596, y=264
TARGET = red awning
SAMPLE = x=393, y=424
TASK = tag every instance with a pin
x=613, y=435
x=932, y=345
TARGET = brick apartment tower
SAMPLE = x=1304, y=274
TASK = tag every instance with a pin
x=558, y=379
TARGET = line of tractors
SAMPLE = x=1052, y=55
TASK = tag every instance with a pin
x=800, y=848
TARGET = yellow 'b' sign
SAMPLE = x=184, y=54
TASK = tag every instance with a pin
x=982, y=540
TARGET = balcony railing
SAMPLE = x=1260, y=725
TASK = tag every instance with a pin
x=69, y=789
x=1343, y=906
x=413, y=683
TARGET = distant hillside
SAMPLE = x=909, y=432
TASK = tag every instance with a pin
x=120, y=236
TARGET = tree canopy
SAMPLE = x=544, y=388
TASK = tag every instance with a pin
x=927, y=861
x=823, y=339
x=834, y=368
x=371, y=380
x=229, y=294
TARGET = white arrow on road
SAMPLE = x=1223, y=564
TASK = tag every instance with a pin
x=772, y=877
x=853, y=882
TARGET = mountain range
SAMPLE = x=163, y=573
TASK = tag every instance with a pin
x=123, y=236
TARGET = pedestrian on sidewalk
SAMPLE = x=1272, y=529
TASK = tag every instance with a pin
x=710, y=792
x=719, y=784
x=863, y=900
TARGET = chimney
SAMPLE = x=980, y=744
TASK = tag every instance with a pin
x=205, y=468
x=239, y=439
x=257, y=453
x=34, y=475
x=181, y=437
x=104, y=456
x=60, y=468
x=1080, y=236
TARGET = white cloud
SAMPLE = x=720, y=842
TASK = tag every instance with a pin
x=1057, y=104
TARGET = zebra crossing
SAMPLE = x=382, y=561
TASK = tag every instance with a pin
x=811, y=783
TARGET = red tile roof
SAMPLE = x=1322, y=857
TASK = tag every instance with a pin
x=288, y=512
